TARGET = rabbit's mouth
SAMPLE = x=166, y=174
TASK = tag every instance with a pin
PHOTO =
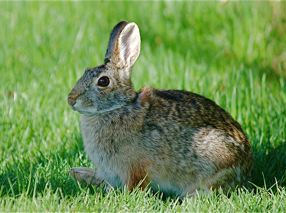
x=86, y=107
x=85, y=110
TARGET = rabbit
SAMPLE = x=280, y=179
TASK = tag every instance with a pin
x=170, y=141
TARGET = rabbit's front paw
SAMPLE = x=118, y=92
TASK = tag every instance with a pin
x=86, y=175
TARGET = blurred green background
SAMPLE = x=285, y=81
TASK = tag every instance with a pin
x=231, y=52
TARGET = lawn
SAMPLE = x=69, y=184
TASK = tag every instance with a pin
x=233, y=53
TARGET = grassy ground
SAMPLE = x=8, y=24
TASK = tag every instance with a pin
x=233, y=53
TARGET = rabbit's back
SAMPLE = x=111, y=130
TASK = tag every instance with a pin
x=187, y=109
x=194, y=110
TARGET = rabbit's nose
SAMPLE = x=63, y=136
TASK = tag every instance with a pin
x=72, y=98
x=71, y=101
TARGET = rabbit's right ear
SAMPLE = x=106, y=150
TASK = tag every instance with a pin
x=124, y=45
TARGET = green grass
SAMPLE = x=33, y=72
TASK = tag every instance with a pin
x=233, y=53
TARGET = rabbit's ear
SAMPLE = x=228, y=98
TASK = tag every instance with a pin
x=124, y=45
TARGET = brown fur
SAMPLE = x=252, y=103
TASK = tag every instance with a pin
x=138, y=176
x=144, y=96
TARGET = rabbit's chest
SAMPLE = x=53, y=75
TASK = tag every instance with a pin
x=106, y=149
x=100, y=145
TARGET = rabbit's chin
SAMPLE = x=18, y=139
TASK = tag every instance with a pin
x=93, y=111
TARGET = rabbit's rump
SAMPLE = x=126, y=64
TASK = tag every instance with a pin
x=192, y=159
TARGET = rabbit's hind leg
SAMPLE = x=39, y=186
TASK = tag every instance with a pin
x=86, y=175
x=225, y=179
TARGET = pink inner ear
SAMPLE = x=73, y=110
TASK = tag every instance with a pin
x=129, y=45
x=125, y=43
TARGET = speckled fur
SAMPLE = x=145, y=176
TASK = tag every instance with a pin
x=174, y=141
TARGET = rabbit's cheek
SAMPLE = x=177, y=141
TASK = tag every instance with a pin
x=78, y=106
x=82, y=104
x=83, y=109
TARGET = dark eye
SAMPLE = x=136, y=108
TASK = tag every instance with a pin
x=103, y=81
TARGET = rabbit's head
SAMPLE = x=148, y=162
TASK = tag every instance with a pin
x=109, y=86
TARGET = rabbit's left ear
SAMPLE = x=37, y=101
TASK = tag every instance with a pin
x=124, y=45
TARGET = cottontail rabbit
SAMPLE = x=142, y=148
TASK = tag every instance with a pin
x=174, y=141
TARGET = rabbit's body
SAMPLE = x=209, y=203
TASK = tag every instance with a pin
x=170, y=147
x=174, y=141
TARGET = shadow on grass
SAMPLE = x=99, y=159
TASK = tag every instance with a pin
x=269, y=165
x=44, y=171
x=50, y=171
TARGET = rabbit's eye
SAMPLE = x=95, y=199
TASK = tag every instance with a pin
x=103, y=81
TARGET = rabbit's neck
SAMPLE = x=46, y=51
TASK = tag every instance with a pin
x=108, y=135
x=116, y=118
x=113, y=127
